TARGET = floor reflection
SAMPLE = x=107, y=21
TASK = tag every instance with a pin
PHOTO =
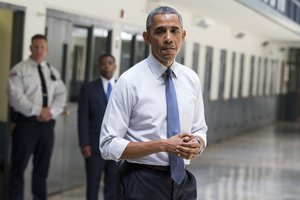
x=259, y=165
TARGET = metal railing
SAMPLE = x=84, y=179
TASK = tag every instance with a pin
x=289, y=8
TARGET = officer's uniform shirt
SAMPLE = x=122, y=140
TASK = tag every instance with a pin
x=25, y=89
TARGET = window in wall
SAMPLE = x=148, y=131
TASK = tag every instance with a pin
x=291, y=10
x=241, y=75
x=292, y=86
x=232, y=73
x=78, y=49
x=273, y=3
x=125, y=51
x=277, y=81
x=102, y=45
x=295, y=12
x=180, y=56
x=281, y=5
x=269, y=77
x=272, y=76
x=252, y=62
x=288, y=9
x=255, y=76
x=222, y=73
x=283, y=76
x=298, y=15
x=208, y=71
x=141, y=49
x=261, y=76
x=196, y=53
x=265, y=79
x=294, y=72
x=258, y=76
x=259, y=83
x=133, y=50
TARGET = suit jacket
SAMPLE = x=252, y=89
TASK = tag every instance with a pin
x=91, y=107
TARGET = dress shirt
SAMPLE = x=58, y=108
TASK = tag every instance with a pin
x=105, y=83
x=136, y=110
x=25, y=89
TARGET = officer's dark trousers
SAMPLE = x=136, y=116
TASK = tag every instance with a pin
x=145, y=182
x=30, y=137
x=95, y=165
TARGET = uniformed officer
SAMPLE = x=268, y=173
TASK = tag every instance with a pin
x=37, y=96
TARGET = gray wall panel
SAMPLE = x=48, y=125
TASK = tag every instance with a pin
x=230, y=117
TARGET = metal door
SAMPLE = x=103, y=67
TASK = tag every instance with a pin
x=59, y=34
x=75, y=44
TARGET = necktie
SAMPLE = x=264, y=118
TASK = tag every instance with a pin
x=108, y=90
x=44, y=87
x=173, y=127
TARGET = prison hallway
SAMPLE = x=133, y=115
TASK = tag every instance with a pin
x=262, y=164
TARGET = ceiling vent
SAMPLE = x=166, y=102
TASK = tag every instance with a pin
x=203, y=22
x=239, y=34
x=265, y=43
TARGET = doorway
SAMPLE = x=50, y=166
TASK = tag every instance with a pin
x=290, y=102
x=11, y=40
x=75, y=43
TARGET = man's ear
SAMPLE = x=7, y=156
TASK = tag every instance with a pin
x=146, y=37
x=183, y=35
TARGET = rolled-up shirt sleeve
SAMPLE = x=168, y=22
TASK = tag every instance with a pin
x=199, y=127
x=115, y=122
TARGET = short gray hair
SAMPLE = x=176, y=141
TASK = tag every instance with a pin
x=162, y=10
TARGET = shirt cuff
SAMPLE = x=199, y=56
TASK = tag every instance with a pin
x=36, y=110
x=202, y=135
x=115, y=149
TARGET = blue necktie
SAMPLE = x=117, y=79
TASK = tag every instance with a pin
x=173, y=127
x=108, y=90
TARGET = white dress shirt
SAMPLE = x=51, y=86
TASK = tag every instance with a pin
x=136, y=110
x=25, y=89
x=105, y=83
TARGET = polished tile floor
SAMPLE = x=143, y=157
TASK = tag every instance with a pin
x=259, y=165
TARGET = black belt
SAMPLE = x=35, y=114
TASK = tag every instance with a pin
x=21, y=117
x=152, y=167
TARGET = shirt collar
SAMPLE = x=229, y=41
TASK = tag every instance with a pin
x=34, y=63
x=104, y=80
x=159, y=69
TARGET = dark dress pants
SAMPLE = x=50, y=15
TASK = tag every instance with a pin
x=95, y=165
x=30, y=137
x=144, y=182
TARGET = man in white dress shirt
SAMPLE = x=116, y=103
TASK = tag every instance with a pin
x=37, y=95
x=134, y=127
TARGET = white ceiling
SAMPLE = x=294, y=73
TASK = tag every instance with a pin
x=237, y=16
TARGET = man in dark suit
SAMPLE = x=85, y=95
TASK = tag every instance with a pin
x=91, y=107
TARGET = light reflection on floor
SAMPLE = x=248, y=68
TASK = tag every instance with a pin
x=260, y=165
